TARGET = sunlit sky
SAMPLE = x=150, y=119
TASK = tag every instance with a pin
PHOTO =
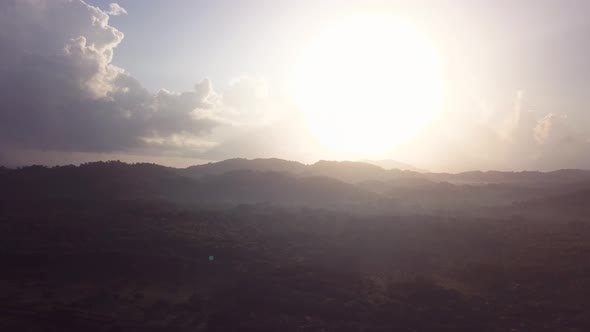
x=441, y=85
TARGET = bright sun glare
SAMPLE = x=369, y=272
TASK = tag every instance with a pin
x=367, y=84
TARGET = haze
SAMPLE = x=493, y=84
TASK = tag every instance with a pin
x=443, y=86
x=274, y=165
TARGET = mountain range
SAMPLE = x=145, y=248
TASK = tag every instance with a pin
x=352, y=186
x=355, y=172
x=284, y=246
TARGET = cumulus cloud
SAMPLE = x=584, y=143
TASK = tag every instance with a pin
x=543, y=141
x=552, y=127
x=516, y=139
x=115, y=9
x=60, y=90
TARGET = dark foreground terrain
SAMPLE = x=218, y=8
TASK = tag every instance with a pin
x=115, y=247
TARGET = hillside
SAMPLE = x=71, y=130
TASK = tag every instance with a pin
x=394, y=164
x=240, y=164
x=349, y=186
x=572, y=205
x=116, y=181
x=356, y=172
x=87, y=264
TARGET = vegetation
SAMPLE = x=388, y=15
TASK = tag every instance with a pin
x=118, y=247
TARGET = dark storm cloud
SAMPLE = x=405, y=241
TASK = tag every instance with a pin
x=60, y=91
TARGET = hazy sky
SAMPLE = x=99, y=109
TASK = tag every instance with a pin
x=180, y=82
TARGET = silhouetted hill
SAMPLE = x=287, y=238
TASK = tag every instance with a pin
x=117, y=180
x=240, y=164
x=97, y=180
x=394, y=164
x=110, y=246
x=347, y=171
x=352, y=186
x=356, y=172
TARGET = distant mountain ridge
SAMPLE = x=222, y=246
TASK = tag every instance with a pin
x=394, y=164
x=352, y=186
x=347, y=171
x=238, y=164
x=115, y=180
x=357, y=172
x=523, y=177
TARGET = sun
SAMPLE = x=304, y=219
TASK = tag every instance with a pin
x=368, y=84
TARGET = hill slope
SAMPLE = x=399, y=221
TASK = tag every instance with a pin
x=117, y=180
x=357, y=172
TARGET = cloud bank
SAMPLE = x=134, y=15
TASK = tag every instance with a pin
x=60, y=90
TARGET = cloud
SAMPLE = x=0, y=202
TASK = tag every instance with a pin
x=552, y=128
x=115, y=9
x=60, y=90
x=516, y=139
x=543, y=141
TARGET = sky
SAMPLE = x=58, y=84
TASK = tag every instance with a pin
x=442, y=85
